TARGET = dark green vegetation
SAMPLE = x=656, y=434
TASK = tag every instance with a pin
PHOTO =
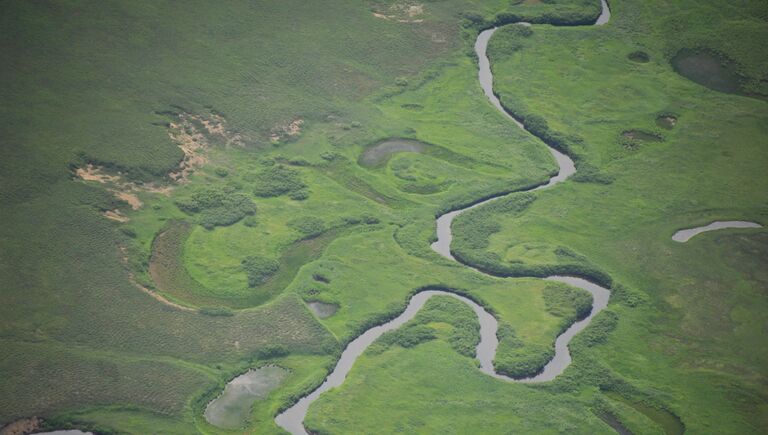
x=278, y=180
x=217, y=207
x=259, y=269
x=285, y=97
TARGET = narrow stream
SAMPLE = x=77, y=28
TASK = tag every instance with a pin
x=292, y=419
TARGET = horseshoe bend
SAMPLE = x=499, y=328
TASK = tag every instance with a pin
x=383, y=217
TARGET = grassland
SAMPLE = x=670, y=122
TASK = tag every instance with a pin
x=704, y=296
x=282, y=99
x=107, y=85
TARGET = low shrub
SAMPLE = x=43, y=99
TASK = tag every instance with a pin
x=259, y=269
x=272, y=351
x=408, y=336
x=308, y=226
x=217, y=206
x=277, y=180
x=599, y=328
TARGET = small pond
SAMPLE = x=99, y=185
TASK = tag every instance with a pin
x=640, y=135
x=232, y=408
x=322, y=309
x=683, y=236
x=379, y=153
x=708, y=69
x=639, y=57
x=666, y=122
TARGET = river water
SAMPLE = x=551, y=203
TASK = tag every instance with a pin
x=292, y=419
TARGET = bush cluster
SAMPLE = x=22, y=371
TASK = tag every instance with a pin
x=408, y=336
x=588, y=173
x=279, y=180
x=308, y=226
x=599, y=328
x=217, y=206
x=259, y=269
x=567, y=302
x=477, y=225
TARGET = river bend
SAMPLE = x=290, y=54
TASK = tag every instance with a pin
x=292, y=419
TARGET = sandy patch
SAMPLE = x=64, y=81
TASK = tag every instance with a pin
x=160, y=298
x=415, y=10
x=402, y=12
x=22, y=427
x=194, y=134
x=192, y=143
x=115, y=215
x=96, y=173
x=131, y=198
x=289, y=130
x=122, y=189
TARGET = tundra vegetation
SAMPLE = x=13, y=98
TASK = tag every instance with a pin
x=178, y=181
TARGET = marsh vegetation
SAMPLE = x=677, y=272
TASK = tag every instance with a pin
x=229, y=140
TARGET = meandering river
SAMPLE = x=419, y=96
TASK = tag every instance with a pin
x=292, y=419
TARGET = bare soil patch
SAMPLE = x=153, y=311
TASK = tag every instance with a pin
x=401, y=12
x=194, y=134
x=286, y=131
x=115, y=215
x=22, y=427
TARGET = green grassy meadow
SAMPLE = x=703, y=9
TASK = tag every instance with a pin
x=128, y=303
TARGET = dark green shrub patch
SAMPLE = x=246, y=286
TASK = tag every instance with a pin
x=321, y=278
x=588, y=173
x=522, y=362
x=599, y=328
x=567, y=302
x=517, y=360
x=259, y=269
x=278, y=180
x=477, y=225
x=465, y=334
x=217, y=206
x=272, y=351
x=408, y=336
x=628, y=296
x=250, y=221
x=308, y=226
